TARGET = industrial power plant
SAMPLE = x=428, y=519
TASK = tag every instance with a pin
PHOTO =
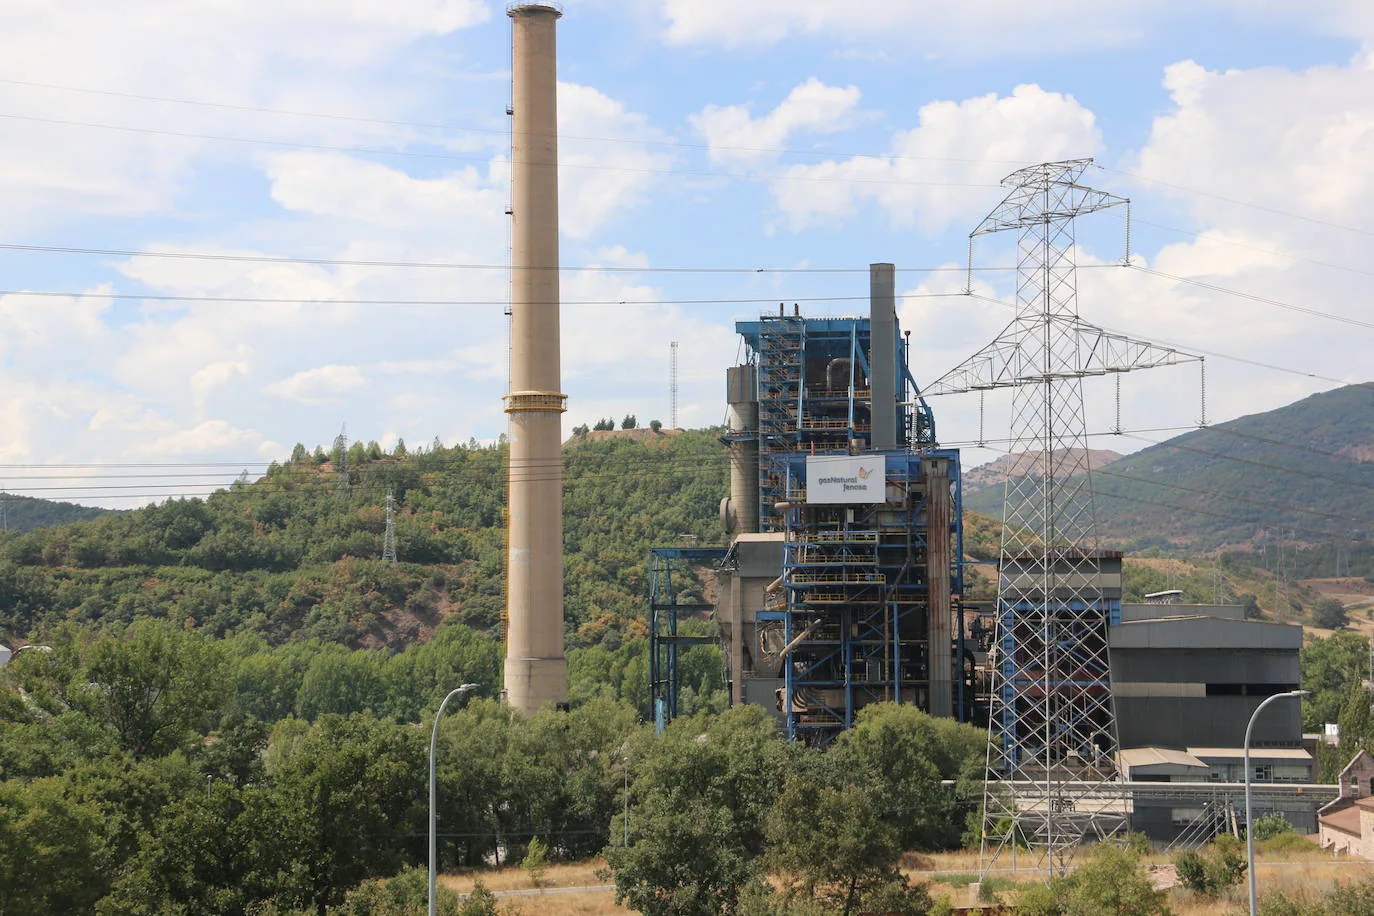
x=841, y=579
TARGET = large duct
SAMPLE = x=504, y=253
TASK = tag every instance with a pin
x=882, y=354
x=536, y=670
x=939, y=608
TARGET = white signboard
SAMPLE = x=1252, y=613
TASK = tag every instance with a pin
x=845, y=479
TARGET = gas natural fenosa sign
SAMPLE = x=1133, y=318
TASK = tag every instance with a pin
x=846, y=479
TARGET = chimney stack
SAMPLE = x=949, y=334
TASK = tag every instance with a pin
x=536, y=669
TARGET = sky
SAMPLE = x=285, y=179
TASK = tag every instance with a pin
x=338, y=172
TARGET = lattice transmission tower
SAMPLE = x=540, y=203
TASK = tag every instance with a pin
x=389, y=539
x=1052, y=726
x=341, y=483
x=672, y=385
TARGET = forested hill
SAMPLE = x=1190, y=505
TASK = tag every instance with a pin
x=295, y=555
x=1307, y=468
x=24, y=513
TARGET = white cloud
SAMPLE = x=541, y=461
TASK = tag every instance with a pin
x=938, y=172
x=323, y=385
x=206, y=438
x=249, y=54
x=974, y=27
x=600, y=180
x=211, y=377
x=736, y=137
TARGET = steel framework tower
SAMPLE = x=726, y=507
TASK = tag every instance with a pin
x=672, y=385
x=389, y=538
x=341, y=480
x=1052, y=725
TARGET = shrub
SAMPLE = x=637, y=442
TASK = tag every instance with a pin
x=1219, y=865
x=1270, y=826
x=536, y=861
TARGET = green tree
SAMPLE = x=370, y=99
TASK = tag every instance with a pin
x=1329, y=613
x=53, y=858
x=828, y=843
x=697, y=814
x=629, y=422
x=351, y=790
x=1357, y=725
x=536, y=861
x=1329, y=667
x=905, y=754
x=155, y=686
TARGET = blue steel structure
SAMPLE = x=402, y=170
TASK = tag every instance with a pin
x=668, y=569
x=856, y=621
x=814, y=395
x=858, y=581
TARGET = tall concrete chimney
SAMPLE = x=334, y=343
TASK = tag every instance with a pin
x=536, y=669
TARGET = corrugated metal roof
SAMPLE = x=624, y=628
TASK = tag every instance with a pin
x=1154, y=756
x=1256, y=753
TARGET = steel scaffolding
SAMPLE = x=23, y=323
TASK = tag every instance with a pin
x=857, y=620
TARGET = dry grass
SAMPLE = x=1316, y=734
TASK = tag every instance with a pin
x=593, y=903
x=1305, y=870
x=515, y=878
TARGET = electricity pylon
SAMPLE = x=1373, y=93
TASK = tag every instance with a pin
x=1052, y=725
x=389, y=539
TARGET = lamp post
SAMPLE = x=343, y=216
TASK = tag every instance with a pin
x=433, y=742
x=1249, y=833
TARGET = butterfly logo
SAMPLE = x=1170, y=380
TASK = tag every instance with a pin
x=865, y=473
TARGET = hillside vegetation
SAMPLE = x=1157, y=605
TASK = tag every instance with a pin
x=25, y=513
x=1304, y=469
x=294, y=556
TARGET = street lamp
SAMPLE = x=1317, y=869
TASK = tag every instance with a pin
x=433, y=742
x=1249, y=833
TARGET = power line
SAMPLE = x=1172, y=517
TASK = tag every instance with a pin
x=1195, y=349
x=1138, y=221
x=504, y=132
x=477, y=302
x=448, y=265
x=1306, y=472
x=1240, y=203
x=1213, y=287
x=450, y=157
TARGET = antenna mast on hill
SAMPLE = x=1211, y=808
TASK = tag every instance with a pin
x=1052, y=723
x=341, y=487
x=389, y=539
x=672, y=384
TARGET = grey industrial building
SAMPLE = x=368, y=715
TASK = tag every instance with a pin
x=1186, y=680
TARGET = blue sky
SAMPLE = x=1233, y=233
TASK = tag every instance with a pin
x=696, y=134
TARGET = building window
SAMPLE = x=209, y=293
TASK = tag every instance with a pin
x=1263, y=773
x=1182, y=817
